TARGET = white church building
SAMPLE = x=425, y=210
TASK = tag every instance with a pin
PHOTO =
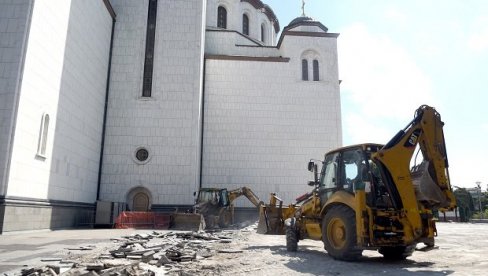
x=145, y=101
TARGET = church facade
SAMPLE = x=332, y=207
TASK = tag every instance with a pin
x=144, y=102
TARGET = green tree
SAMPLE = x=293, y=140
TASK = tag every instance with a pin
x=465, y=204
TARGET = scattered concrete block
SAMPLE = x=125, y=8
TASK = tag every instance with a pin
x=51, y=259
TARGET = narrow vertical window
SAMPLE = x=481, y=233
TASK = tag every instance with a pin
x=222, y=17
x=263, y=32
x=245, y=24
x=315, y=70
x=42, y=146
x=304, y=70
x=149, y=54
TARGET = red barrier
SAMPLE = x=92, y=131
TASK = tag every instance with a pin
x=142, y=220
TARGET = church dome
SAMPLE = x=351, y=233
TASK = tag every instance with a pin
x=305, y=21
x=301, y=19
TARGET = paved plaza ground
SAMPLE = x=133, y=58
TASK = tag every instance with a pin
x=462, y=250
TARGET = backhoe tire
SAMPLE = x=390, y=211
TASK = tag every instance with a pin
x=396, y=253
x=339, y=233
x=291, y=233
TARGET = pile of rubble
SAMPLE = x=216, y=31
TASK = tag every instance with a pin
x=155, y=253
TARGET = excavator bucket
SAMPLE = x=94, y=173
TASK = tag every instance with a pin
x=426, y=189
x=187, y=222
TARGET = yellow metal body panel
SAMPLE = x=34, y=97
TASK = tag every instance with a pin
x=339, y=197
x=314, y=230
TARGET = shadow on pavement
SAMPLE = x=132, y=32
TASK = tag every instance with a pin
x=309, y=260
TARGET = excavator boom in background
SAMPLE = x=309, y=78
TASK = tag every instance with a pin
x=372, y=196
x=215, y=206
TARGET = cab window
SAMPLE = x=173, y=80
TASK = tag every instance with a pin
x=329, y=172
x=353, y=169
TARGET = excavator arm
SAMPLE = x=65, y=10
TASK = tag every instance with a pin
x=244, y=191
x=431, y=187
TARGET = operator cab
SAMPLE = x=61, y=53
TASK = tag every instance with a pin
x=351, y=168
x=217, y=197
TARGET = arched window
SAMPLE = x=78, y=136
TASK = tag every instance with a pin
x=245, y=24
x=41, y=147
x=304, y=70
x=263, y=33
x=222, y=18
x=315, y=70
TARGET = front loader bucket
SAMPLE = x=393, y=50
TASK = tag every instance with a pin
x=187, y=222
x=263, y=221
x=271, y=220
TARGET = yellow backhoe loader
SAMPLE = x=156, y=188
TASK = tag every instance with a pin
x=217, y=205
x=371, y=196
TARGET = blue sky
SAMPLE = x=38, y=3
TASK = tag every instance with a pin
x=396, y=55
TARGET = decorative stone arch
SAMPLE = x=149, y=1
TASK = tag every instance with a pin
x=222, y=17
x=139, y=199
x=314, y=64
x=229, y=13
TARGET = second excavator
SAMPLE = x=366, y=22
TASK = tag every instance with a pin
x=217, y=205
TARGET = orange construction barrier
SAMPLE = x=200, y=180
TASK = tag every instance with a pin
x=143, y=220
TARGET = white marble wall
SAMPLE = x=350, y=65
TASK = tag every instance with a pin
x=263, y=123
x=235, y=10
x=167, y=123
x=13, y=29
x=65, y=75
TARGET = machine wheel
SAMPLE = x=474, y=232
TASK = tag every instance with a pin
x=396, y=253
x=339, y=233
x=291, y=235
x=225, y=218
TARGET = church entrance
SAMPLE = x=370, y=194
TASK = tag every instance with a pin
x=141, y=202
x=139, y=199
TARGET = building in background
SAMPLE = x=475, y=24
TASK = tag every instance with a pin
x=143, y=102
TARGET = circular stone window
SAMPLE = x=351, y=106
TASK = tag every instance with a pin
x=142, y=155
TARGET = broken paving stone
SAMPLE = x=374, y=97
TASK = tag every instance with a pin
x=225, y=241
x=141, y=252
x=163, y=261
x=119, y=255
x=52, y=272
x=114, y=263
x=76, y=272
x=205, y=253
x=186, y=258
x=142, y=236
x=90, y=273
x=94, y=266
x=148, y=256
x=230, y=251
x=27, y=271
x=54, y=268
x=81, y=248
x=51, y=259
